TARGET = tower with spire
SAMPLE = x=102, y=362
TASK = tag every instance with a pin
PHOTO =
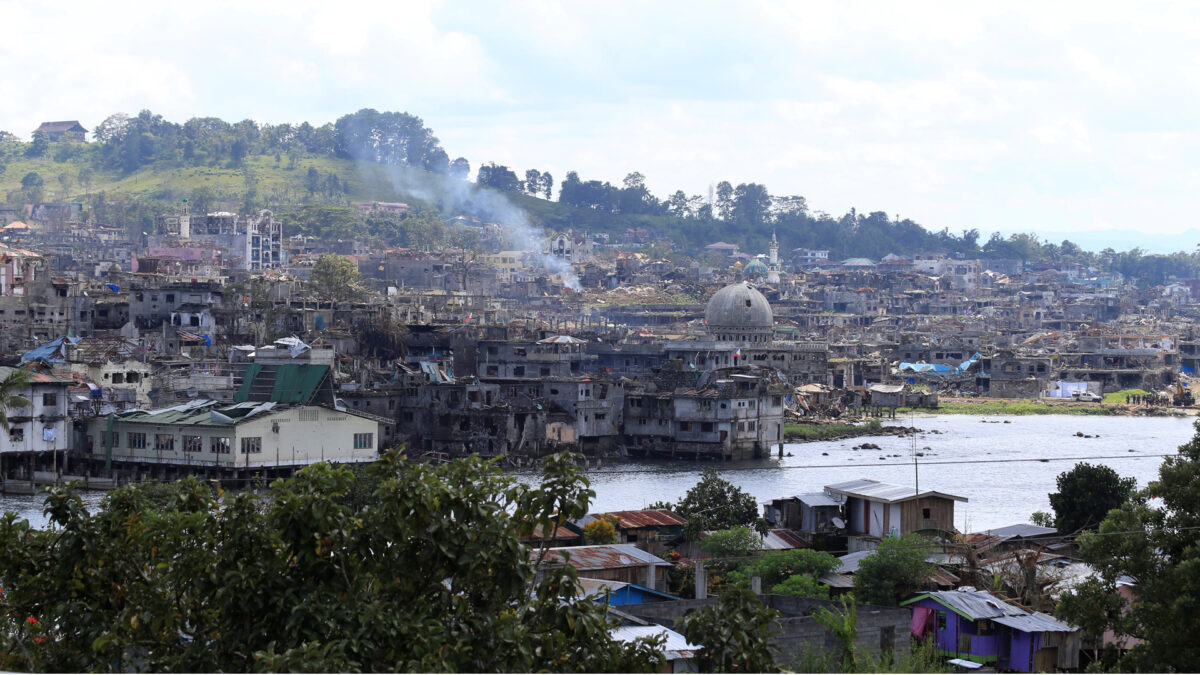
x=773, y=261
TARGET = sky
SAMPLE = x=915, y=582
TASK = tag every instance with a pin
x=1077, y=120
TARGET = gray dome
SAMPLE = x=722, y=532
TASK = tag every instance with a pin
x=738, y=308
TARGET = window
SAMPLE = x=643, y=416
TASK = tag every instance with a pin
x=192, y=443
x=364, y=441
x=925, y=514
x=137, y=440
x=309, y=415
x=706, y=426
x=685, y=426
x=251, y=445
x=164, y=442
x=49, y=400
x=16, y=434
x=941, y=620
x=218, y=446
x=519, y=371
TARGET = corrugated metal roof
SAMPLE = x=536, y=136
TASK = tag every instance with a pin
x=783, y=540
x=675, y=647
x=601, y=557
x=1036, y=623
x=887, y=493
x=817, y=499
x=975, y=604
x=1023, y=530
x=643, y=518
x=34, y=377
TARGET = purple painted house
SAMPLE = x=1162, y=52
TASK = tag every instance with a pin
x=978, y=626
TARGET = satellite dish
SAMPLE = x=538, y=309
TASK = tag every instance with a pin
x=839, y=523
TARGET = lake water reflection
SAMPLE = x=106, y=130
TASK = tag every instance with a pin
x=996, y=465
x=992, y=463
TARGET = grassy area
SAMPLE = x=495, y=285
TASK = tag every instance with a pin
x=1013, y=407
x=831, y=431
x=1118, y=397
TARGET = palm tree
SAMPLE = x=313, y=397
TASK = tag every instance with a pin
x=16, y=381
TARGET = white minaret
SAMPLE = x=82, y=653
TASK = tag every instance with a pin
x=773, y=261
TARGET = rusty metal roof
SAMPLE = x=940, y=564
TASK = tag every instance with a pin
x=601, y=557
x=630, y=520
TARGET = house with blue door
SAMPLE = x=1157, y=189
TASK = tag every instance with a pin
x=977, y=626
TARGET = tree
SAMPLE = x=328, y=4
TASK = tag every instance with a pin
x=10, y=397
x=460, y=168
x=751, y=203
x=498, y=177
x=39, y=146
x=793, y=572
x=533, y=182
x=1086, y=494
x=334, y=277
x=312, y=180
x=1152, y=541
x=1042, y=519
x=602, y=530
x=724, y=203
x=843, y=626
x=894, y=570
x=714, y=503
x=180, y=577
x=112, y=128
x=736, y=542
x=32, y=184
x=736, y=634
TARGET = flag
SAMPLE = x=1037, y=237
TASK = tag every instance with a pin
x=737, y=352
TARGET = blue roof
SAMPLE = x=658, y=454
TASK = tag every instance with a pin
x=53, y=351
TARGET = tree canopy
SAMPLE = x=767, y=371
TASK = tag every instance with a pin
x=1086, y=494
x=398, y=567
x=714, y=503
x=895, y=569
x=335, y=277
x=1152, y=542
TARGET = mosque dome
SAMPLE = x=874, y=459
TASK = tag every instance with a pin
x=739, y=313
x=756, y=268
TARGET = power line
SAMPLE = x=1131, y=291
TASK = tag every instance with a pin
x=691, y=468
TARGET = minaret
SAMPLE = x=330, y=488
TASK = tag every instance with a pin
x=773, y=261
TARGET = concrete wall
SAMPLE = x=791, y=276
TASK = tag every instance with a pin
x=878, y=627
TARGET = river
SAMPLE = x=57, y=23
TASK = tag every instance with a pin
x=1005, y=466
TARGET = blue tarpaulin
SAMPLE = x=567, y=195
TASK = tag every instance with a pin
x=114, y=288
x=53, y=351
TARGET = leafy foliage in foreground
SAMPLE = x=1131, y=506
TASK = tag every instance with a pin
x=736, y=633
x=1153, y=541
x=427, y=574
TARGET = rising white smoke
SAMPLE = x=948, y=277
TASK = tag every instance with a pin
x=460, y=197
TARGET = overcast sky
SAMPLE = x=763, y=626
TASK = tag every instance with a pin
x=1043, y=117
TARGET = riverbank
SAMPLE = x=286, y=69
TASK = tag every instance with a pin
x=994, y=406
x=803, y=432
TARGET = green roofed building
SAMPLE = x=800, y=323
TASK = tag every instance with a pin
x=255, y=435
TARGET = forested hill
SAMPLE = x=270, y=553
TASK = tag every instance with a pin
x=138, y=167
